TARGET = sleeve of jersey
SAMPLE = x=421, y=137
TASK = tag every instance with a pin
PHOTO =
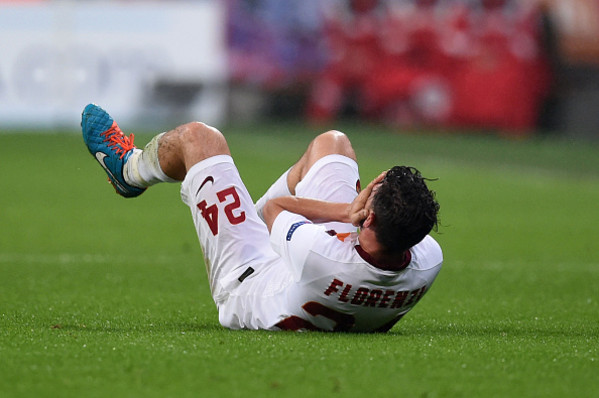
x=292, y=236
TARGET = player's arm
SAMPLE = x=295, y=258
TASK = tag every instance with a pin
x=319, y=211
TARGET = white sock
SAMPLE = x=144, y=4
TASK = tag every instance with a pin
x=277, y=189
x=143, y=167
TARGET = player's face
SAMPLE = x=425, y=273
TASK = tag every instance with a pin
x=368, y=204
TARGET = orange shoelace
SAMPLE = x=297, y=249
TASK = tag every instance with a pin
x=120, y=143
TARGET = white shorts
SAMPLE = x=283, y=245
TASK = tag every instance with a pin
x=234, y=240
x=232, y=236
x=334, y=178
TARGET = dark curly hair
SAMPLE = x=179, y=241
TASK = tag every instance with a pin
x=405, y=209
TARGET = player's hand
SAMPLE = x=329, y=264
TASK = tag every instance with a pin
x=357, y=210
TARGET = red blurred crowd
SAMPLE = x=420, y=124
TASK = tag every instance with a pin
x=435, y=63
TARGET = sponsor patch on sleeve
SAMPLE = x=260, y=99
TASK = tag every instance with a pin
x=294, y=227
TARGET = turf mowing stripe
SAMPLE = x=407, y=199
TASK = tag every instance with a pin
x=82, y=258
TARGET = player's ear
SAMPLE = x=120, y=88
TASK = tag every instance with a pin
x=370, y=220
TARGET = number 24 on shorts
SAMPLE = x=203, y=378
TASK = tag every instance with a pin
x=210, y=213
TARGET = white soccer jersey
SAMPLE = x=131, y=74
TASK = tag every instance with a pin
x=336, y=288
x=304, y=278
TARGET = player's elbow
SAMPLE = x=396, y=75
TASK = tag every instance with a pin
x=270, y=212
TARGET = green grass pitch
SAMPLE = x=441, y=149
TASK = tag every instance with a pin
x=107, y=297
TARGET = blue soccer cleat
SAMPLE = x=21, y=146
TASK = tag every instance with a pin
x=111, y=148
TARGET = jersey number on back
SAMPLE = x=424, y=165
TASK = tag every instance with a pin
x=343, y=322
x=210, y=213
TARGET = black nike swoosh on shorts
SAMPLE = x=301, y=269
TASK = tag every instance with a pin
x=209, y=178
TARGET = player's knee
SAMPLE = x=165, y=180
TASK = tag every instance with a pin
x=334, y=137
x=334, y=142
x=200, y=141
x=206, y=137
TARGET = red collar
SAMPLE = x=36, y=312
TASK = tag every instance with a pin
x=407, y=257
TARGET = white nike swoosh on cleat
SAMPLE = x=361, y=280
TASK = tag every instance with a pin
x=100, y=158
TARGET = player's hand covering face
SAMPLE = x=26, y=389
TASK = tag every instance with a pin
x=361, y=207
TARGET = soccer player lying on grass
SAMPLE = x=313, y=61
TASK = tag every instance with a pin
x=295, y=260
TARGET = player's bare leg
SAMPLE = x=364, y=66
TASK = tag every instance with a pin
x=330, y=143
x=168, y=156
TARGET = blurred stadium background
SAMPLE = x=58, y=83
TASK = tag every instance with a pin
x=519, y=67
